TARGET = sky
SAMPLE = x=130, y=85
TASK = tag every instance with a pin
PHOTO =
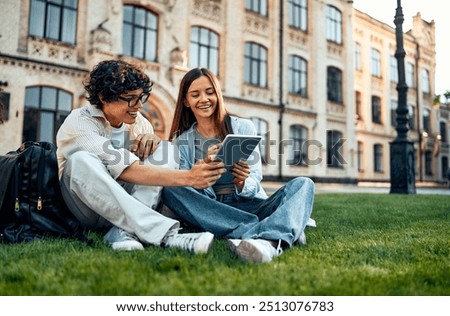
x=437, y=10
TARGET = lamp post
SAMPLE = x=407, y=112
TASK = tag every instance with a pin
x=401, y=149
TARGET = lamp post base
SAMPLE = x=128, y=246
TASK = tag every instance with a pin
x=402, y=167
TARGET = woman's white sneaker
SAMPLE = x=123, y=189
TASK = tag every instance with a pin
x=257, y=250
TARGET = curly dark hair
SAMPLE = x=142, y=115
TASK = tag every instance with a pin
x=110, y=78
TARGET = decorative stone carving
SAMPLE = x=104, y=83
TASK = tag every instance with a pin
x=178, y=57
x=208, y=9
x=257, y=25
x=101, y=39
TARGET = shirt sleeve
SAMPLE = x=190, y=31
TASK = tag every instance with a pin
x=83, y=133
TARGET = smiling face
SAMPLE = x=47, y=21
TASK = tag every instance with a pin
x=201, y=97
x=118, y=112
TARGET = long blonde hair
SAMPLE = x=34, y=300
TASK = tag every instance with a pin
x=184, y=117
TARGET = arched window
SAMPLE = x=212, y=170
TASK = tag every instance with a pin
x=204, y=49
x=334, y=24
x=297, y=154
x=255, y=64
x=257, y=6
x=334, y=84
x=334, y=149
x=298, y=14
x=376, y=109
x=54, y=20
x=140, y=33
x=46, y=108
x=262, y=130
x=297, y=75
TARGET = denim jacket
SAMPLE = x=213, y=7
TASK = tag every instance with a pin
x=252, y=187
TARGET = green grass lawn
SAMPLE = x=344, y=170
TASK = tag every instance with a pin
x=364, y=244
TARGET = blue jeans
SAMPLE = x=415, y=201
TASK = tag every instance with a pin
x=282, y=216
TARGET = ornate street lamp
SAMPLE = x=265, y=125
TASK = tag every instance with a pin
x=401, y=149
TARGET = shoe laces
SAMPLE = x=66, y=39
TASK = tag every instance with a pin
x=184, y=241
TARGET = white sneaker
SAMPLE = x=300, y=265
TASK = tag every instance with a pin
x=233, y=244
x=257, y=250
x=122, y=240
x=193, y=242
x=301, y=240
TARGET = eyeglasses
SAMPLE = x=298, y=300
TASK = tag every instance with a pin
x=143, y=98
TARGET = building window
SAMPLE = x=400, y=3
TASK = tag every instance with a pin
x=358, y=105
x=297, y=154
x=204, y=49
x=334, y=24
x=410, y=75
x=394, y=70
x=394, y=105
x=255, y=64
x=376, y=109
x=428, y=162
x=360, y=156
x=376, y=62
x=297, y=75
x=444, y=167
x=357, y=56
x=412, y=116
x=298, y=14
x=425, y=81
x=140, y=33
x=334, y=149
x=262, y=130
x=378, y=158
x=426, y=120
x=54, y=20
x=257, y=6
x=443, y=131
x=334, y=84
x=4, y=99
x=46, y=108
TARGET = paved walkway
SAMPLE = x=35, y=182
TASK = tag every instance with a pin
x=270, y=187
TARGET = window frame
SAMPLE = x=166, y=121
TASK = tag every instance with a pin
x=204, y=47
x=334, y=85
x=378, y=158
x=333, y=138
x=298, y=136
x=255, y=64
x=47, y=16
x=334, y=24
x=257, y=6
x=297, y=76
x=376, y=109
x=36, y=109
x=298, y=14
x=260, y=125
x=149, y=45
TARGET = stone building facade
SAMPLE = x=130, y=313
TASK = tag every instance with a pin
x=287, y=65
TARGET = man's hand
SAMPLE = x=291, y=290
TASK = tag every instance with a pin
x=206, y=172
x=144, y=145
x=240, y=171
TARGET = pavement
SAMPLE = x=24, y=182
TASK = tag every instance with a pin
x=364, y=187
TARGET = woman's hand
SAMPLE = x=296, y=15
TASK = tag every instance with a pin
x=212, y=151
x=240, y=171
x=144, y=145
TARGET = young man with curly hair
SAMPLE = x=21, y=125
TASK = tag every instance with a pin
x=107, y=178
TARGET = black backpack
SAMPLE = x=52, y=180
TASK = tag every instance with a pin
x=31, y=204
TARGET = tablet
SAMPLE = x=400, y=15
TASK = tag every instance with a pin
x=236, y=147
